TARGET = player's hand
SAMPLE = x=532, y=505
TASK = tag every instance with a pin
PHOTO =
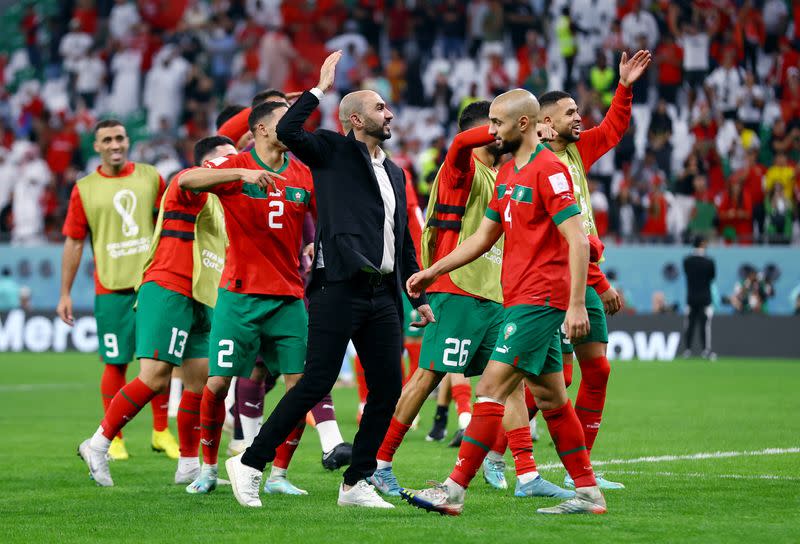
x=612, y=302
x=308, y=251
x=418, y=282
x=328, y=70
x=632, y=69
x=263, y=179
x=576, y=323
x=64, y=310
x=545, y=132
x=425, y=316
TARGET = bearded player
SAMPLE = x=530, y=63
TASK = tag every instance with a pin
x=469, y=303
x=260, y=305
x=173, y=317
x=115, y=206
x=579, y=151
x=545, y=262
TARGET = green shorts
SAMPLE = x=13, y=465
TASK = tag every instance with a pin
x=529, y=339
x=116, y=327
x=463, y=336
x=248, y=325
x=410, y=314
x=170, y=327
x=597, y=323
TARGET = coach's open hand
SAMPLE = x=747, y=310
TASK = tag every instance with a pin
x=632, y=69
x=612, y=302
x=263, y=179
x=328, y=70
x=425, y=316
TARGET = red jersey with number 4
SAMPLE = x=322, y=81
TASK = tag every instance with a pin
x=530, y=203
x=265, y=231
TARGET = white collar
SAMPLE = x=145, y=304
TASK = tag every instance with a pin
x=380, y=156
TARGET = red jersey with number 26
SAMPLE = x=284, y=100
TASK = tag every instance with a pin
x=530, y=203
x=265, y=231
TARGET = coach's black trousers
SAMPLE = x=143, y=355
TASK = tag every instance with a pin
x=699, y=317
x=367, y=312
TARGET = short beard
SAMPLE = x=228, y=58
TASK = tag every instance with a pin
x=569, y=137
x=377, y=131
x=509, y=146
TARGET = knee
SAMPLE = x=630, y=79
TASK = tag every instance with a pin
x=597, y=373
x=218, y=385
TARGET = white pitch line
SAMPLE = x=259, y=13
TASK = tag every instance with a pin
x=706, y=475
x=688, y=457
x=26, y=387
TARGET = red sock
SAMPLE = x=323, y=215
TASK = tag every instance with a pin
x=501, y=441
x=189, y=423
x=565, y=430
x=111, y=382
x=462, y=395
x=362, y=382
x=392, y=440
x=592, y=397
x=521, y=445
x=530, y=402
x=284, y=452
x=413, y=349
x=568, y=374
x=212, y=416
x=479, y=435
x=160, y=406
x=125, y=405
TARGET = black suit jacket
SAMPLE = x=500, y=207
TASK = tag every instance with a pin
x=700, y=273
x=350, y=213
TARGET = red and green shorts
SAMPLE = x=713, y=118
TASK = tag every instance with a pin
x=116, y=326
x=247, y=325
x=529, y=339
x=463, y=336
x=170, y=327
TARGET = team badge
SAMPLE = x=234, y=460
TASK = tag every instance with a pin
x=510, y=329
x=298, y=196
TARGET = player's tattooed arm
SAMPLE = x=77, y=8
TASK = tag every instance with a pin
x=205, y=179
x=470, y=249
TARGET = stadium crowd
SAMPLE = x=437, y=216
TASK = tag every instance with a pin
x=713, y=148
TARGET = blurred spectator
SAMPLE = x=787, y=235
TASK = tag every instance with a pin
x=639, y=22
x=497, y=79
x=90, y=74
x=599, y=202
x=736, y=214
x=33, y=177
x=695, y=44
x=276, y=54
x=781, y=175
x=123, y=18
x=751, y=102
x=566, y=45
x=659, y=304
x=669, y=59
x=453, y=19
x=775, y=13
x=163, y=89
x=753, y=34
x=602, y=78
x=724, y=86
x=779, y=212
x=126, y=69
x=750, y=295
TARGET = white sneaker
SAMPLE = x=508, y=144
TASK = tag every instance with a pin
x=235, y=447
x=245, y=482
x=97, y=463
x=361, y=494
x=186, y=475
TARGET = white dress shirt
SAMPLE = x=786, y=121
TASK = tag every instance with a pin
x=389, y=207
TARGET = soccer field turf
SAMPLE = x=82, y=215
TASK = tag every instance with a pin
x=657, y=416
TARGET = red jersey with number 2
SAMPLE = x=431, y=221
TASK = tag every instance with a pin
x=530, y=203
x=265, y=230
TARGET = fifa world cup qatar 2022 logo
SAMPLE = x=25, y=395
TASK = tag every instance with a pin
x=125, y=204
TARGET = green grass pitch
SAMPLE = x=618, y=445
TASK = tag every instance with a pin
x=49, y=403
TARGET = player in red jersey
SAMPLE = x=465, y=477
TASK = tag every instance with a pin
x=260, y=305
x=579, y=150
x=114, y=206
x=173, y=317
x=545, y=261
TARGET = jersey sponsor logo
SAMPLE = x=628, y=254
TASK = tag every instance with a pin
x=559, y=183
x=125, y=205
x=509, y=329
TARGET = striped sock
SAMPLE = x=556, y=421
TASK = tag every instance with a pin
x=111, y=382
x=125, y=405
x=189, y=423
x=592, y=397
x=212, y=417
x=479, y=437
x=565, y=430
x=521, y=446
